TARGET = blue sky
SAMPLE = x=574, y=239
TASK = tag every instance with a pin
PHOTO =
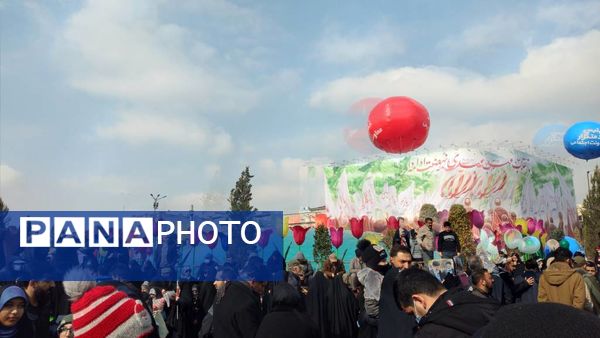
x=104, y=102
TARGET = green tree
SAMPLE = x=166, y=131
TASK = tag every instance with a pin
x=3, y=212
x=322, y=246
x=591, y=216
x=461, y=224
x=240, y=197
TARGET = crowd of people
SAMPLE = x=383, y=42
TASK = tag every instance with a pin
x=383, y=294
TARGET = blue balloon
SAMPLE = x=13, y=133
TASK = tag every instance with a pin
x=582, y=140
x=574, y=246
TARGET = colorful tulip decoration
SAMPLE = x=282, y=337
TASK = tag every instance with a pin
x=521, y=225
x=299, y=233
x=392, y=223
x=332, y=222
x=337, y=236
x=505, y=227
x=356, y=227
x=477, y=218
x=263, y=241
x=286, y=226
x=208, y=235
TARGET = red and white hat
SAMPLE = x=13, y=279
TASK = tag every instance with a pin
x=103, y=311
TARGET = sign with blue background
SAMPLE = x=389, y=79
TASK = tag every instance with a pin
x=142, y=246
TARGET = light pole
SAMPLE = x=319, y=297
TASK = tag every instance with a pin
x=156, y=199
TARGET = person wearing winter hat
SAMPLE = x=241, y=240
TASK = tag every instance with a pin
x=103, y=311
x=65, y=327
x=12, y=307
x=356, y=264
x=371, y=278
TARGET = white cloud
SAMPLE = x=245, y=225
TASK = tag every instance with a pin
x=342, y=48
x=496, y=32
x=139, y=129
x=122, y=50
x=8, y=175
x=572, y=16
x=201, y=201
x=553, y=80
x=277, y=184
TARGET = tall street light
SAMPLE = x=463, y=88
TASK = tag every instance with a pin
x=156, y=199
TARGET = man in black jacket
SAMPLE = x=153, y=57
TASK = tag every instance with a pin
x=448, y=243
x=505, y=290
x=439, y=312
x=393, y=322
x=238, y=314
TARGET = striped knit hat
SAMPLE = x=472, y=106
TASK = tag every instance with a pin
x=103, y=311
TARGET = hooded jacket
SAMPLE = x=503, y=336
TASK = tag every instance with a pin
x=457, y=313
x=561, y=284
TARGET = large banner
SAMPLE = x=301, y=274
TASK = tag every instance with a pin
x=505, y=184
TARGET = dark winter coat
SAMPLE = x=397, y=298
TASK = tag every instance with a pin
x=393, y=322
x=238, y=314
x=457, y=314
x=287, y=322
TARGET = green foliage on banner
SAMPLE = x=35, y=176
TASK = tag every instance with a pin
x=461, y=224
x=390, y=172
x=322, y=246
x=428, y=210
x=591, y=216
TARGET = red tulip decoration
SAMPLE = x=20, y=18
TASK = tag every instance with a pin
x=539, y=226
x=392, y=223
x=299, y=234
x=337, y=236
x=356, y=227
x=477, y=218
x=530, y=226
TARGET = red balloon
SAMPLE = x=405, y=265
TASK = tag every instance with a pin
x=398, y=124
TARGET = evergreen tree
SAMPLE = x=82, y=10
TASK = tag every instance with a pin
x=591, y=216
x=322, y=246
x=3, y=212
x=461, y=224
x=240, y=197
